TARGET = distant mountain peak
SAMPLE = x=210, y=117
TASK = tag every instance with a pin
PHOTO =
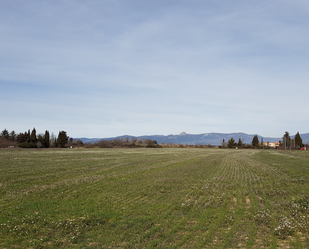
x=195, y=139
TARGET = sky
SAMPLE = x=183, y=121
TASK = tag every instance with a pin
x=137, y=67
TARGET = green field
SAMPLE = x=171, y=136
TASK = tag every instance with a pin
x=154, y=198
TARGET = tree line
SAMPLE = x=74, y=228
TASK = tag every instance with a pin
x=125, y=142
x=286, y=143
x=32, y=140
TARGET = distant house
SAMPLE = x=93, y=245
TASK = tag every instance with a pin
x=272, y=144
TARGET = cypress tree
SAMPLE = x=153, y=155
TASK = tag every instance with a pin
x=28, y=136
x=62, y=139
x=239, y=144
x=255, y=141
x=46, y=139
x=298, y=140
x=5, y=134
x=33, y=138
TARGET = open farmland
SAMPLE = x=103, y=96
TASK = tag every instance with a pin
x=145, y=198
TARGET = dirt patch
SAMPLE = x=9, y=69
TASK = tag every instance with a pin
x=284, y=244
x=248, y=202
x=235, y=201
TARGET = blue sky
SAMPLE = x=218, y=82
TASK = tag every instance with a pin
x=108, y=68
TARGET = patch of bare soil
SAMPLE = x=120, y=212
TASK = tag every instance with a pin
x=248, y=202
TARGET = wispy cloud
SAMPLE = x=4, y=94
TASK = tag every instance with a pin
x=108, y=68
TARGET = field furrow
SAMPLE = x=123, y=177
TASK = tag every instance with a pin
x=154, y=198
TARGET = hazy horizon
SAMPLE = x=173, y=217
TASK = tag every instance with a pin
x=223, y=133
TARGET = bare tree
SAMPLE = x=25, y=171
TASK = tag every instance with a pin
x=286, y=140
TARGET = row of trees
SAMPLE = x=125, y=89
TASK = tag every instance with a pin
x=32, y=140
x=125, y=142
x=287, y=143
x=291, y=144
x=232, y=143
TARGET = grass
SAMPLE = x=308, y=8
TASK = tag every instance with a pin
x=154, y=198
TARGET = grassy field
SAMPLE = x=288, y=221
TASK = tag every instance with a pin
x=154, y=198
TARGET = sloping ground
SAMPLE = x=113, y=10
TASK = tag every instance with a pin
x=144, y=198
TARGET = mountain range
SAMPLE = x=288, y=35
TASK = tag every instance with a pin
x=193, y=139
